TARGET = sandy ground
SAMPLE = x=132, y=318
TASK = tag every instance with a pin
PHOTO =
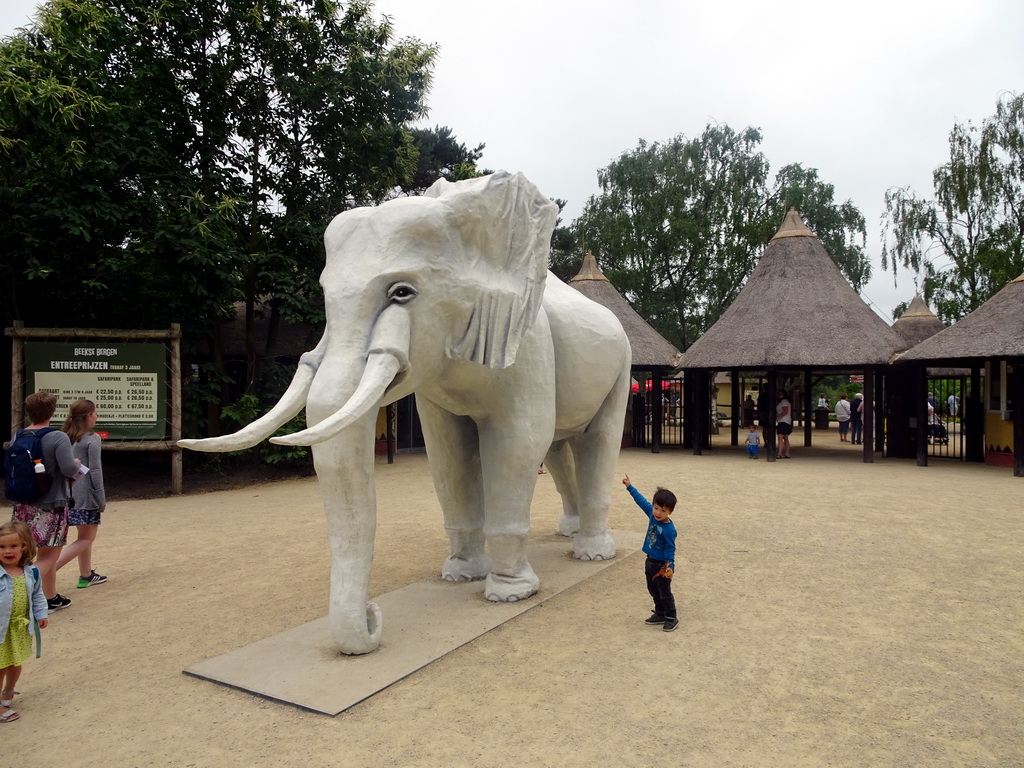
x=833, y=614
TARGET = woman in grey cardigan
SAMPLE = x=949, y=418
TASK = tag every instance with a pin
x=88, y=497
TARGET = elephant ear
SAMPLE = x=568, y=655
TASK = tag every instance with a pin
x=505, y=225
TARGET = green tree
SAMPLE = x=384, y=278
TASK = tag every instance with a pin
x=679, y=225
x=964, y=245
x=164, y=162
x=1002, y=170
x=564, y=259
x=439, y=155
x=840, y=227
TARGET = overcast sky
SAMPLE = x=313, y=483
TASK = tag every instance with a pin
x=865, y=92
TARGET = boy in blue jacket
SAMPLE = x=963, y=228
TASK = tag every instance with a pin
x=660, y=547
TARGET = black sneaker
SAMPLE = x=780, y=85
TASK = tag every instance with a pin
x=655, y=619
x=670, y=624
x=92, y=578
x=57, y=603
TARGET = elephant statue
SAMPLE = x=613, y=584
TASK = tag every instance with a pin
x=448, y=296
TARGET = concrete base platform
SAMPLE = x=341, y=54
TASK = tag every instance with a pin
x=422, y=623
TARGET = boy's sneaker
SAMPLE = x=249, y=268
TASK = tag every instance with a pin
x=670, y=624
x=655, y=619
x=92, y=578
x=57, y=603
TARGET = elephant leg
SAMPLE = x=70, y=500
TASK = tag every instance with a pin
x=596, y=452
x=562, y=466
x=453, y=451
x=510, y=454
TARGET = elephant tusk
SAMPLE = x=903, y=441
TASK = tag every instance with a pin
x=381, y=369
x=289, y=406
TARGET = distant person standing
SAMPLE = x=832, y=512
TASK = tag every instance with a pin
x=749, y=408
x=89, y=498
x=857, y=419
x=783, y=424
x=822, y=401
x=953, y=403
x=753, y=442
x=843, y=417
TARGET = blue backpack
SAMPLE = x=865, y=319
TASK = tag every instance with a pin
x=21, y=481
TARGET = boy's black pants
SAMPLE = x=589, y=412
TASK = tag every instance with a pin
x=660, y=589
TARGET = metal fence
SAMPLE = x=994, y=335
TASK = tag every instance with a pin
x=946, y=426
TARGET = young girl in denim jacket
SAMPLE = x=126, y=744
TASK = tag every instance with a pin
x=22, y=609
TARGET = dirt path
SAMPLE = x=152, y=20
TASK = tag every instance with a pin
x=833, y=613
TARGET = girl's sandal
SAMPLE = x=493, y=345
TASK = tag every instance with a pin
x=9, y=716
x=7, y=697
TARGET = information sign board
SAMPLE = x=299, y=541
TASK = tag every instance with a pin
x=126, y=380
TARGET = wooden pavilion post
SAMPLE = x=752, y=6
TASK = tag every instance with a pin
x=973, y=417
x=1016, y=389
x=702, y=401
x=921, y=408
x=867, y=415
x=689, y=406
x=769, y=427
x=657, y=412
x=878, y=408
x=808, y=407
x=737, y=405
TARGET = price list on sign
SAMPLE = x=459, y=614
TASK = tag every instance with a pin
x=119, y=398
x=126, y=381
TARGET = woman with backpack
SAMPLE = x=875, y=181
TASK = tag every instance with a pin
x=89, y=498
x=46, y=515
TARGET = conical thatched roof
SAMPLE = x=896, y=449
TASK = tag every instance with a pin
x=796, y=310
x=650, y=349
x=993, y=330
x=917, y=323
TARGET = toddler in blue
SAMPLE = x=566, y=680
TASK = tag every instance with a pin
x=660, y=548
x=753, y=442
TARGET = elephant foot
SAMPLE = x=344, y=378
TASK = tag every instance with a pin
x=597, y=547
x=466, y=568
x=569, y=525
x=510, y=589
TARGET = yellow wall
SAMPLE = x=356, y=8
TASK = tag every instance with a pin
x=998, y=433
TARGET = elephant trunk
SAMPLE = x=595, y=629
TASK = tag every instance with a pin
x=343, y=455
x=345, y=467
x=291, y=402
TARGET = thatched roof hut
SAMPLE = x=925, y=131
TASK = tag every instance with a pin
x=650, y=349
x=995, y=330
x=917, y=323
x=994, y=334
x=795, y=311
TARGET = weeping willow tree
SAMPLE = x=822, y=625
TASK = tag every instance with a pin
x=963, y=244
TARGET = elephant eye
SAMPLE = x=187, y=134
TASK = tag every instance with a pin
x=400, y=293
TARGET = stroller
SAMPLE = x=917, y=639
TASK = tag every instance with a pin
x=938, y=433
